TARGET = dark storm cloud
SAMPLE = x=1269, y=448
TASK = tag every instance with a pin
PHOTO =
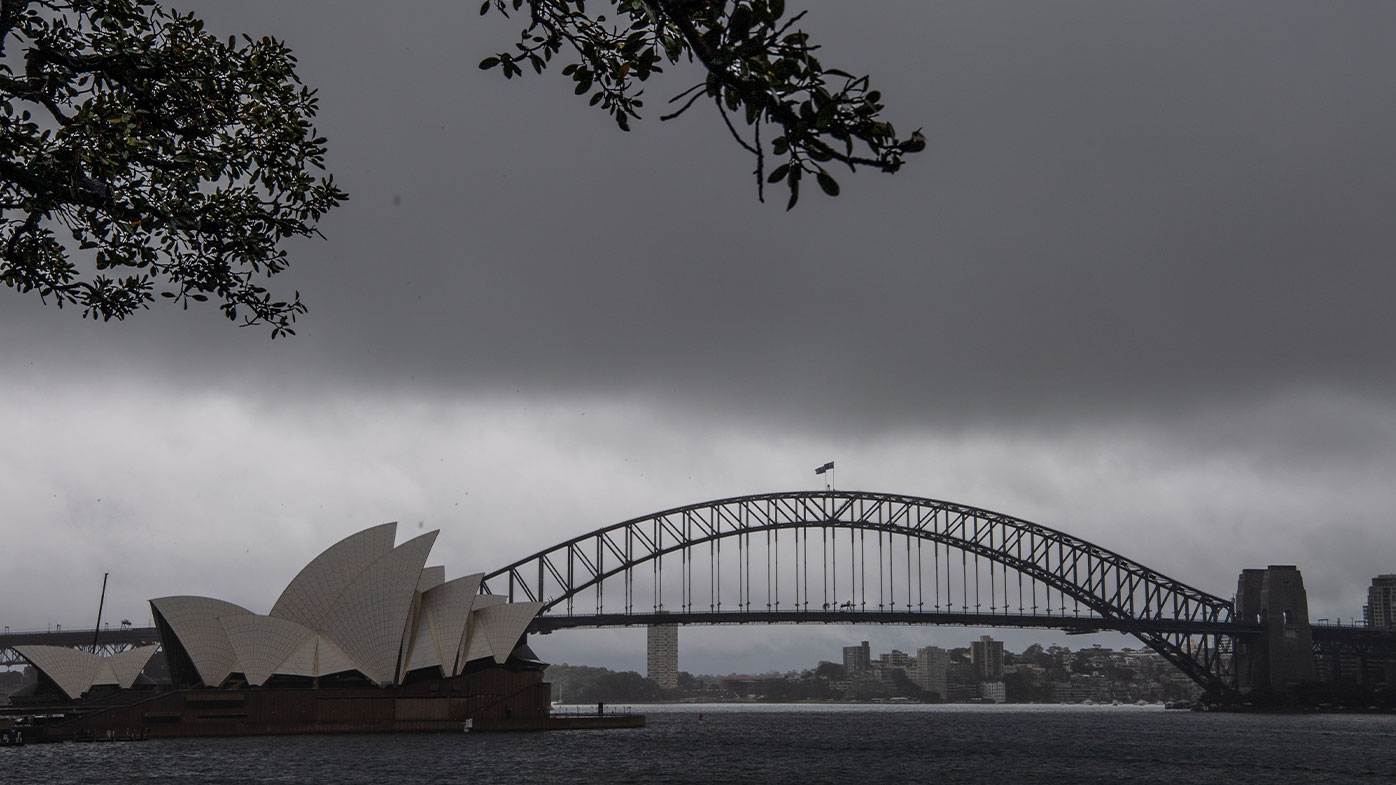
x=1120, y=207
x=1123, y=209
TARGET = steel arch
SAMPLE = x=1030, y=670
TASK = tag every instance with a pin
x=1112, y=586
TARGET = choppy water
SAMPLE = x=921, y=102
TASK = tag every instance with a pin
x=778, y=744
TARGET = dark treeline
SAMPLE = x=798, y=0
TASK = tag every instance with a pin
x=586, y=684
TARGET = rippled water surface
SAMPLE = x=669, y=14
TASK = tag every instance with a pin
x=777, y=744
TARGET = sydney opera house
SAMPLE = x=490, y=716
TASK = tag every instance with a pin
x=365, y=638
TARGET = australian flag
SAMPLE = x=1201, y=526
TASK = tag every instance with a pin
x=828, y=467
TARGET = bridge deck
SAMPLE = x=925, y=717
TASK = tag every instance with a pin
x=1072, y=624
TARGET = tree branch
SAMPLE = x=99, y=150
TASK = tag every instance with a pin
x=20, y=88
x=10, y=11
x=778, y=110
x=86, y=192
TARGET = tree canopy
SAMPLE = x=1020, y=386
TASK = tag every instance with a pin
x=761, y=72
x=139, y=155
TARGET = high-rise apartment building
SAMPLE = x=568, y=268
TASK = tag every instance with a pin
x=1380, y=610
x=932, y=665
x=857, y=659
x=662, y=655
x=987, y=656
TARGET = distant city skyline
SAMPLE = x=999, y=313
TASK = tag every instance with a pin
x=751, y=654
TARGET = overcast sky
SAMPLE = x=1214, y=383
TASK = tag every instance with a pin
x=1138, y=288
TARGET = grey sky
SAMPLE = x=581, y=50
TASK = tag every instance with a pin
x=1137, y=288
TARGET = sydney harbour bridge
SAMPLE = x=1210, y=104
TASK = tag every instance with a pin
x=850, y=557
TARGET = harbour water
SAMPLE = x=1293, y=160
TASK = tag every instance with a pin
x=765, y=743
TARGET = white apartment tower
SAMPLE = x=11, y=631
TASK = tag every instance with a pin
x=932, y=667
x=662, y=655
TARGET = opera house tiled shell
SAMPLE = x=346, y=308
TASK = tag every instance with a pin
x=362, y=609
x=76, y=671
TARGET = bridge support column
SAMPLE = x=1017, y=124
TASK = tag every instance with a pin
x=1283, y=655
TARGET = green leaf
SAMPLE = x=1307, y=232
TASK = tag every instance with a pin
x=778, y=173
x=829, y=184
x=488, y=63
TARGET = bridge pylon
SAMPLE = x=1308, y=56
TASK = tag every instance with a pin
x=1282, y=655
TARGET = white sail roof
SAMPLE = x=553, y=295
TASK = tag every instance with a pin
x=503, y=625
x=431, y=578
x=310, y=595
x=329, y=658
x=317, y=656
x=300, y=662
x=104, y=673
x=368, y=618
x=262, y=643
x=420, y=650
x=361, y=605
x=194, y=620
x=76, y=671
x=71, y=669
x=127, y=665
x=447, y=611
x=412, y=631
x=474, y=645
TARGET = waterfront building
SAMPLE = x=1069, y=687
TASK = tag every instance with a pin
x=994, y=691
x=857, y=659
x=365, y=638
x=961, y=685
x=1080, y=687
x=1380, y=610
x=662, y=655
x=932, y=668
x=961, y=692
x=987, y=656
x=362, y=611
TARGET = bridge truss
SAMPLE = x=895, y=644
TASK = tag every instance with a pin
x=849, y=556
